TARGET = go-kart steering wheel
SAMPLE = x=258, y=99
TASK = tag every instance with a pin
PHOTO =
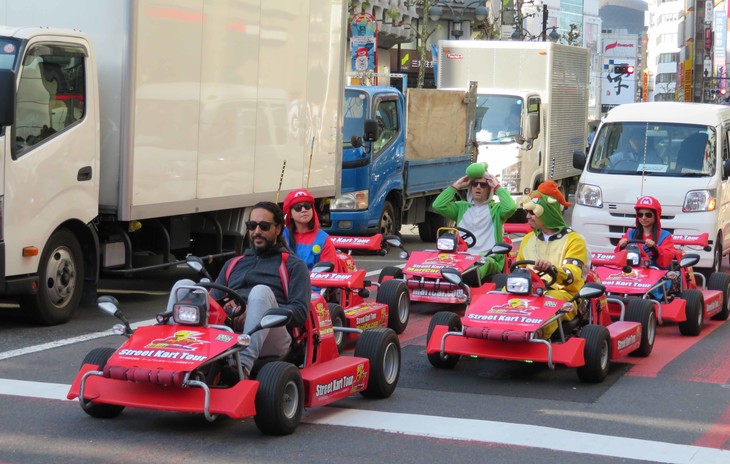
x=632, y=241
x=230, y=294
x=467, y=236
x=551, y=273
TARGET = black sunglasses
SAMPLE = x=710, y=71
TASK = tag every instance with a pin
x=264, y=225
x=646, y=215
x=474, y=183
x=300, y=206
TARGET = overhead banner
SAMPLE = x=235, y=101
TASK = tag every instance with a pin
x=364, y=42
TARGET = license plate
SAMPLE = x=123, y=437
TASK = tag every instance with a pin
x=439, y=294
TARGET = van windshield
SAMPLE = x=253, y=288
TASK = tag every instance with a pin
x=656, y=149
x=8, y=52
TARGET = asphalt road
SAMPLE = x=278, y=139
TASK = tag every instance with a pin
x=670, y=407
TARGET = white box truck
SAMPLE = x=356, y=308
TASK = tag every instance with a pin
x=677, y=152
x=145, y=137
x=532, y=106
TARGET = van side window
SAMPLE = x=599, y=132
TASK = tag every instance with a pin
x=51, y=93
x=387, y=116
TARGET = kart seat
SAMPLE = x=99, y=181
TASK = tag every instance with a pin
x=295, y=355
x=144, y=375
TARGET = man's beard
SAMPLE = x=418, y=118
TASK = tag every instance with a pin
x=259, y=249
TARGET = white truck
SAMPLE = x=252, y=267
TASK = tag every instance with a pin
x=147, y=136
x=532, y=106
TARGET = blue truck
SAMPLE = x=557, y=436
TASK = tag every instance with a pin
x=397, y=159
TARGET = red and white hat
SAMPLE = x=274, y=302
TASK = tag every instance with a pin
x=298, y=196
x=648, y=202
x=362, y=52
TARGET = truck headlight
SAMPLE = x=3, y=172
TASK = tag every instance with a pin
x=589, y=195
x=350, y=201
x=699, y=200
x=510, y=178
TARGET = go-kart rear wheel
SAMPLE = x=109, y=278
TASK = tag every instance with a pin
x=98, y=357
x=643, y=312
x=381, y=346
x=721, y=282
x=390, y=272
x=453, y=322
x=337, y=314
x=280, y=398
x=394, y=293
x=695, y=312
x=597, y=354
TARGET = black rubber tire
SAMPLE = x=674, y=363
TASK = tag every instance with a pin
x=99, y=357
x=597, y=354
x=394, y=293
x=61, y=281
x=337, y=314
x=388, y=223
x=279, y=399
x=390, y=271
x=453, y=322
x=695, y=311
x=644, y=312
x=382, y=347
x=721, y=282
x=427, y=229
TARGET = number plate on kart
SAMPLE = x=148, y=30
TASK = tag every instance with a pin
x=437, y=293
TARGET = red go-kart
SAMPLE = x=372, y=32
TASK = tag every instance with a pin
x=632, y=283
x=189, y=362
x=346, y=290
x=508, y=325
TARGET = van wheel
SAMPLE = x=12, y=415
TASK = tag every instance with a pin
x=60, y=279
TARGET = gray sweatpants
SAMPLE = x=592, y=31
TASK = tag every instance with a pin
x=265, y=342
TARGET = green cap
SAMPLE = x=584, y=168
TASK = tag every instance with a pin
x=476, y=170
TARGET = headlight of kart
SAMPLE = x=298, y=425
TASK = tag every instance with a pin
x=190, y=306
x=446, y=242
x=633, y=258
x=510, y=178
x=589, y=195
x=519, y=285
x=185, y=314
x=699, y=200
x=350, y=201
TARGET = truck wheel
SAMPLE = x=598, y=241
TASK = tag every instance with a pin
x=597, y=354
x=337, y=314
x=643, y=312
x=387, y=224
x=390, y=272
x=381, y=346
x=721, y=282
x=98, y=357
x=279, y=399
x=394, y=293
x=453, y=322
x=428, y=228
x=60, y=277
x=695, y=311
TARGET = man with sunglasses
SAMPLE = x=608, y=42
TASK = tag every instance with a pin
x=267, y=276
x=480, y=214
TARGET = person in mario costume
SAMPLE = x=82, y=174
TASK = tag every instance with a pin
x=554, y=246
x=362, y=59
x=658, y=245
x=302, y=233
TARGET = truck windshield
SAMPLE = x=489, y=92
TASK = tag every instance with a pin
x=8, y=52
x=657, y=149
x=355, y=113
x=499, y=118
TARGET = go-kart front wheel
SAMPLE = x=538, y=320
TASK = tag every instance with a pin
x=98, y=357
x=390, y=272
x=597, y=354
x=695, y=312
x=280, y=398
x=721, y=282
x=643, y=312
x=394, y=293
x=337, y=314
x=381, y=346
x=453, y=322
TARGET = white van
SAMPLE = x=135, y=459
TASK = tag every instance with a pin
x=681, y=159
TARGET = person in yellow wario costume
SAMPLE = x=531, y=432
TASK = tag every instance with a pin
x=553, y=245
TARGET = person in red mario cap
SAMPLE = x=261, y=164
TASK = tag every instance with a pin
x=302, y=232
x=658, y=243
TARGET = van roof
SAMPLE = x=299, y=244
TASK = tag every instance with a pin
x=669, y=112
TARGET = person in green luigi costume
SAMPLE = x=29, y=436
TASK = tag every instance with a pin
x=480, y=214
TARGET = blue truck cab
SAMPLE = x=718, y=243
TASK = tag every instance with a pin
x=382, y=188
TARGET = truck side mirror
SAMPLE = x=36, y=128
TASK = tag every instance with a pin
x=579, y=160
x=372, y=130
x=532, y=126
x=7, y=97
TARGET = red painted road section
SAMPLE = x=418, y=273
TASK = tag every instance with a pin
x=718, y=435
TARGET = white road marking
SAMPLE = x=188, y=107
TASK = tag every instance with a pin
x=449, y=428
